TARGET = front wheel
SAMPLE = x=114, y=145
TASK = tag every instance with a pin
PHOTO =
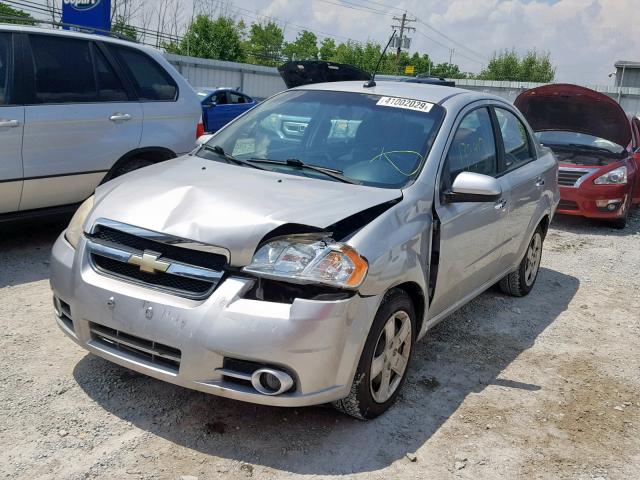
x=520, y=282
x=384, y=362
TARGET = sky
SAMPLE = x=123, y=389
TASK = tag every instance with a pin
x=584, y=37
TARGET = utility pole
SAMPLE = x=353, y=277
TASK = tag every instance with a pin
x=401, y=38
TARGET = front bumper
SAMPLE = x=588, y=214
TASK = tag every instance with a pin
x=317, y=342
x=581, y=200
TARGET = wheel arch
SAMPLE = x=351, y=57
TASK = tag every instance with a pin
x=544, y=224
x=416, y=294
x=153, y=154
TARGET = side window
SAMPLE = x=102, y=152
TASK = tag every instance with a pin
x=150, y=80
x=221, y=98
x=63, y=70
x=5, y=55
x=517, y=147
x=235, y=98
x=473, y=148
x=110, y=87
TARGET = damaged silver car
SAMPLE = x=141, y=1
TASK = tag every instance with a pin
x=297, y=255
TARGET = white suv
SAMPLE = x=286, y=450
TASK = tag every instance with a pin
x=77, y=110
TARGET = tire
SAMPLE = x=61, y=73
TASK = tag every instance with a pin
x=521, y=282
x=621, y=223
x=368, y=397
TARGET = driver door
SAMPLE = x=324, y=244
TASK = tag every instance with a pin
x=471, y=233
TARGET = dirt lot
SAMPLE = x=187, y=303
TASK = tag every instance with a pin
x=541, y=387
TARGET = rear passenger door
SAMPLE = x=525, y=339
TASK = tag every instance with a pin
x=165, y=122
x=525, y=178
x=11, y=127
x=79, y=121
x=471, y=234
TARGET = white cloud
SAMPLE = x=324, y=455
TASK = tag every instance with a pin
x=585, y=37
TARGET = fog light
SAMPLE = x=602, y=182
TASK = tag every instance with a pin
x=610, y=205
x=270, y=381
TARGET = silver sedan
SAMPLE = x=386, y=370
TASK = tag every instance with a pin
x=297, y=255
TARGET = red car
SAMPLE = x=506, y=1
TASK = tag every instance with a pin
x=597, y=146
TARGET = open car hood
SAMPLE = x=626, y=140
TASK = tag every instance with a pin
x=296, y=73
x=576, y=109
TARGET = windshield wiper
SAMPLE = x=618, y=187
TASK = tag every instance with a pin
x=217, y=149
x=296, y=163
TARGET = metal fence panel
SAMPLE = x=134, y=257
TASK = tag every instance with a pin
x=262, y=82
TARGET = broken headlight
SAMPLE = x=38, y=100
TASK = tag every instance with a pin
x=617, y=176
x=309, y=259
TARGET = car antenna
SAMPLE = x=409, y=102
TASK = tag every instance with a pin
x=372, y=82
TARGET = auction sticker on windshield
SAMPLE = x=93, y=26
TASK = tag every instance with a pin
x=408, y=103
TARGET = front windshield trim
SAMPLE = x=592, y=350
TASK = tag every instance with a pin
x=423, y=148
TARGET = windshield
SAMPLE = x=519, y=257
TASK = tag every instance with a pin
x=566, y=138
x=355, y=135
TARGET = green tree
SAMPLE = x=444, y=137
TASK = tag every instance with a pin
x=507, y=65
x=21, y=17
x=218, y=39
x=327, y=49
x=305, y=47
x=264, y=45
x=123, y=29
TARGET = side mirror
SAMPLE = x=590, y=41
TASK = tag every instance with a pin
x=473, y=187
x=202, y=139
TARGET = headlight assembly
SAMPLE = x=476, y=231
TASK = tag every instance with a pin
x=309, y=259
x=74, y=230
x=617, y=176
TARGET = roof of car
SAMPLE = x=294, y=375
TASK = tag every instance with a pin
x=69, y=33
x=416, y=91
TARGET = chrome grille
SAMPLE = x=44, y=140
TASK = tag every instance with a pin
x=571, y=177
x=163, y=356
x=185, y=268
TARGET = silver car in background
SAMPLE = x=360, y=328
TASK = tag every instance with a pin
x=77, y=110
x=294, y=270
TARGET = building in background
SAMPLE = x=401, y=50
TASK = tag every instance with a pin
x=627, y=74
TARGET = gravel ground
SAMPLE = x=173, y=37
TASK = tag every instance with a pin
x=540, y=387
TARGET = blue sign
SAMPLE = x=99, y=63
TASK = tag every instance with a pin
x=94, y=14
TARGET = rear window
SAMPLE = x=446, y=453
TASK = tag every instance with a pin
x=63, y=70
x=151, y=81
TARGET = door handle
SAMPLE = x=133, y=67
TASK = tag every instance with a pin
x=120, y=117
x=500, y=204
x=9, y=123
x=540, y=182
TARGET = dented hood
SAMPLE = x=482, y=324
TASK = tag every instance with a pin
x=297, y=73
x=575, y=109
x=226, y=205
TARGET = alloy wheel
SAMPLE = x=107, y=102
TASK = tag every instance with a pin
x=534, y=254
x=390, y=356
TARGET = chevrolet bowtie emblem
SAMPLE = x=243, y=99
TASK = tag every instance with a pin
x=148, y=262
